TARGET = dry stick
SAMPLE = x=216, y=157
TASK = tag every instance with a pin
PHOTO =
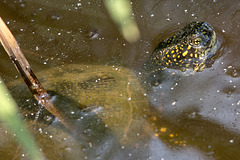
x=14, y=52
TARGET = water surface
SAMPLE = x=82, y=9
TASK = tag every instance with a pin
x=201, y=112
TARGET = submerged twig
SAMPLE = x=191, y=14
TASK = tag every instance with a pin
x=14, y=52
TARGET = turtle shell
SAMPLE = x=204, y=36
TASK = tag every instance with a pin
x=112, y=94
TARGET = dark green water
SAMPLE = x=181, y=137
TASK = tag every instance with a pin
x=202, y=110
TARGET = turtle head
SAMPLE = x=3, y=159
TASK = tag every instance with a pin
x=192, y=47
x=201, y=45
x=200, y=35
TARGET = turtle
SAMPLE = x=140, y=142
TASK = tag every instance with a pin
x=114, y=96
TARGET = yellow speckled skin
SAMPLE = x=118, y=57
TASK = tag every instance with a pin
x=191, y=48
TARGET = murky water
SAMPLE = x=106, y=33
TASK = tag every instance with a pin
x=201, y=112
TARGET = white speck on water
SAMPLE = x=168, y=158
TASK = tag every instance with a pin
x=231, y=141
x=218, y=91
x=37, y=48
x=193, y=14
x=122, y=147
x=68, y=149
x=238, y=103
x=185, y=11
x=145, y=94
x=168, y=17
x=51, y=136
x=215, y=108
x=40, y=130
x=72, y=112
x=130, y=154
x=152, y=15
x=59, y=34
x=223, y=31
x=23, y=155
x=130, y=99
x=174, y=103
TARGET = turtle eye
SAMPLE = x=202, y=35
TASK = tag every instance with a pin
x=197, y=41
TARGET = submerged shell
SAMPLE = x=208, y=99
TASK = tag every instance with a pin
x=113, y=94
